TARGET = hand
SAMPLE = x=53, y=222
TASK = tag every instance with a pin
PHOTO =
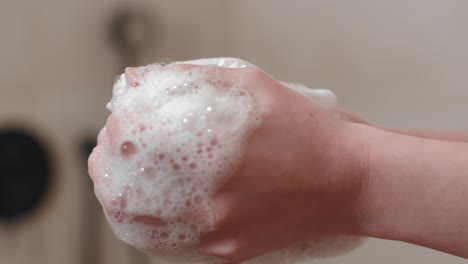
x=299, y=178
x=347, y=115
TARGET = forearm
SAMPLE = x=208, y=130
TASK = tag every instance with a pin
x=457, y=136
x=417, y=191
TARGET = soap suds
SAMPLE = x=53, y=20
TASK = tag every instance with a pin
x=173, y=136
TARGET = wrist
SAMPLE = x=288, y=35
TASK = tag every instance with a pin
x=386, y=177
x=415, y=192
x=350, y=157
x=360, y=171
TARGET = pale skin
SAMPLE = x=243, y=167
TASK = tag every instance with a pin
x=308, y=174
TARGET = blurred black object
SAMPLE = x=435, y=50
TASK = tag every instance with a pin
x=87, y=147
x=25, y=173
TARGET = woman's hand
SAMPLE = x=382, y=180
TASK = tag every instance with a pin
x=304, y=176
x=300, y=177
x=416, y=187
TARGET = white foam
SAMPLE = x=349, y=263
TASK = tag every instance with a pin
x=172, y=137
x=323, y=98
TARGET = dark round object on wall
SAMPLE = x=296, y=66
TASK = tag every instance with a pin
x=25, y=173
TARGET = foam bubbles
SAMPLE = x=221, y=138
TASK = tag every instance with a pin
x=172, y=137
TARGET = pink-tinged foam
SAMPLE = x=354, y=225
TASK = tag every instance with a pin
x=172, y=137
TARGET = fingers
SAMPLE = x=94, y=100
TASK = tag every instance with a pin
x=219, y=76
x=221, y=62
x=323, y=98
x=349, y=116
x=225, y=249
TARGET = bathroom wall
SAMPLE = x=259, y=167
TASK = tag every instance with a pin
x=372, y=53
x=56, y=73
x=397, y=63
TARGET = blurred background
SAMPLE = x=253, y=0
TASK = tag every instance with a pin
x=397, y=63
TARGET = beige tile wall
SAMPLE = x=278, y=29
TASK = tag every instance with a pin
x=372, y=53
x=398, y=63
x=56, y=73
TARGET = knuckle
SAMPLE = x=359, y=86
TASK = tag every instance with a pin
x=226, y=212
x=252, y=72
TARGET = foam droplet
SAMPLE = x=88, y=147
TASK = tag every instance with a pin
x=214, y=141
x=197, y=199
x=128, y=149
x=176, y=167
